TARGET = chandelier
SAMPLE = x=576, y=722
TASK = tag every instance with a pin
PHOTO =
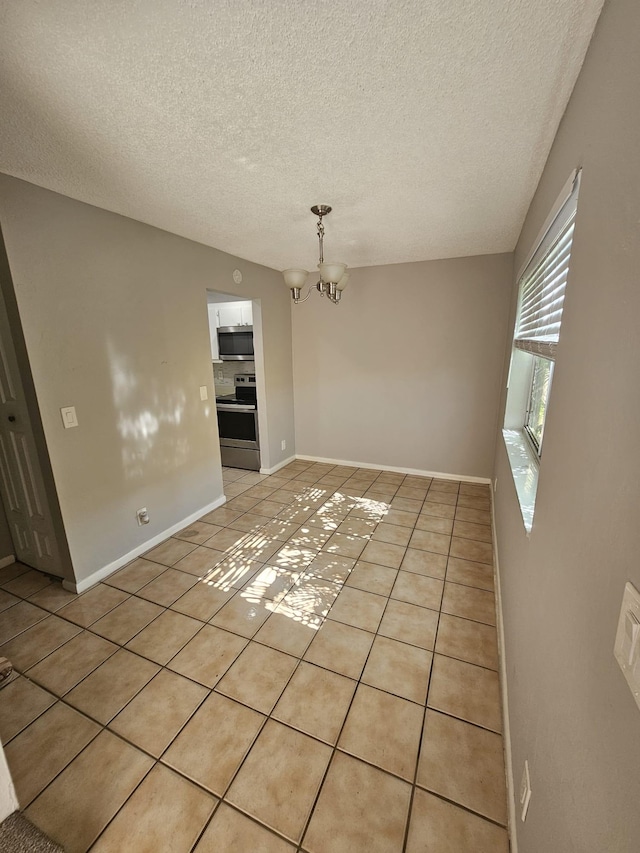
x=333, y=277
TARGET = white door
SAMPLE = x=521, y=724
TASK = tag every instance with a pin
x=21, y=485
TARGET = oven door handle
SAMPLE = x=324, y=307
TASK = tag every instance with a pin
x=231, y=407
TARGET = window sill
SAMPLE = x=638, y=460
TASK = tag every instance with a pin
x=524, y=467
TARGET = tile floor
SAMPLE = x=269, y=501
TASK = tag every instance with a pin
x=311, y=667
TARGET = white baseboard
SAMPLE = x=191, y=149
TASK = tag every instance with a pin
x=417, y=471
x=105, y=571
x=7, y=561
x=278, y=466
x=506, y=727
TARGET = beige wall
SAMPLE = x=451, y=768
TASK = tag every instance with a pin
x=115, y=319
x=405, y=372
x=572, y=714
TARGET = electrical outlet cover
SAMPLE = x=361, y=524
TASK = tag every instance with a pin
x=525, y=791
x=627, y=645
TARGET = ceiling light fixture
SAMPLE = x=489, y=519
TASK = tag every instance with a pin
x=333, y=276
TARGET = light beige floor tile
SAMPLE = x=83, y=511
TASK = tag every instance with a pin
x=466, y=640
x=53, y=597
x=243, y=614
x=471, y=549
x=440, y=498
x=406, y=505
x=345, y=545
x=409, y=492
x=384, y=554
x=360, y=808
x=18, y=618
x=27, y=584
x=424, y=540
x=440, y=827
x=270, y=583
x=469, y=692
x=358, y=608
x=372, y=578
x=279, y=780
x=392, y=533
x=468, y=530
x=380, y=494
x=464, y=764
x=259, y=548
x=126, y=620
x=398, y=668
x=424, y=563
x=268, y=508
x=288, y=632
x=331, y=567
x=418, y=589
x=470, y=603
x=69, y=664
x=280, y=530
x=170, y=552
x=166, y=812
x=21, y=701
x=309, y=536
x=155, y=716
x=440, y=510
x=232, y=832
x=409, y=624
x=251, y=522
x=214, y=742
x=340, y=648
x=227, y=540
x=164, y=637
x=433, y=524
x=202, y=601
x=37, y=642
x=41, y=751
x=368, y=734
x=475, y=516
x=478, y=490
x=208, y=655
x=311, y=596
x=201, y=561
x=14, y=570
x=473, y=502
x=198, y=532
x=167, y=587
x=221, y=516
x=93, y=604
x=233, y=572
x=362, y=527
x=449, y=486
x=316, y=701
x=108, y=689
x=118, y=766
x=136, y=575
x=293, y=557
x=465, y=572
x=7, y=600
x=258, y=677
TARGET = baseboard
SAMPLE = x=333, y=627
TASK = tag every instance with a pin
x=105, y=571
x=417, y=471
x=506, y=727
x=278, y=466
x=7, y=561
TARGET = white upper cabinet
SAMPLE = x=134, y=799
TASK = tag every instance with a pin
x=213, y=332
x=235, y=314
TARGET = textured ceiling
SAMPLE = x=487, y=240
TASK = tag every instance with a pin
x=425, y=123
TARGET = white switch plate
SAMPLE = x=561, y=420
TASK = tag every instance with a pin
x=283, y=445
x=627, y=646
x=203, y=392
x=525, y=791
x=69, y=417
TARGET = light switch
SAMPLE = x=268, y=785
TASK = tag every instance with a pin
x=627, y=647
x=69, y=417
x=204, y=394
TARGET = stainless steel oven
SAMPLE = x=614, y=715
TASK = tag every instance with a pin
x=238, y=425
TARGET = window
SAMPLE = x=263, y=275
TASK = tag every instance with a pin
x=542, y=285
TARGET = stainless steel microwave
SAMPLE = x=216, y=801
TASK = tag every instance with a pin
x=235, y=343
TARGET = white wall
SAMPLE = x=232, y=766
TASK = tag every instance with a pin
x=405, y=371
x=572, y=714
x=115, y=320
x=8, y=798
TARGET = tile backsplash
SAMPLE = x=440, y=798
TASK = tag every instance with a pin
x=227, y=370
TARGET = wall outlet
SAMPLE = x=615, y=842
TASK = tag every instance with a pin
x=283, y=445
x=142, y=515
x=525, y=791
x=220, y=373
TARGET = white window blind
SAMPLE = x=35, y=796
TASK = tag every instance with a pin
x=543, y=283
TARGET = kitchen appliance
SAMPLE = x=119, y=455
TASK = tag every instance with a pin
x=235, y=343
x=238, y=424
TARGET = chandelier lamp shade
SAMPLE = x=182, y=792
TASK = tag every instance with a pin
x=333, y=276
